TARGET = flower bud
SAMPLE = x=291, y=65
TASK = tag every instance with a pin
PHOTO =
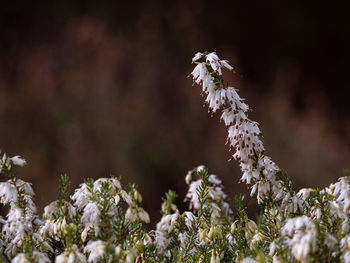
x=233, y=227
x=118, y=250
x=85, y=233
x=202, y=234
x=126, y=197
x=211, y=232
x=251, y=225
x=143, y=215
x=138, y=196
x=130, y=215
x=116, y=199
x=214, y=258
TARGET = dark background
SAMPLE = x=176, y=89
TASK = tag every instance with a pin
x=93, y=88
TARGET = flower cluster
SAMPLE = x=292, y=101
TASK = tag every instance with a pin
x=259, y=172
x=102, y=221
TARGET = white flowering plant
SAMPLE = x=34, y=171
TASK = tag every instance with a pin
x=102, y=221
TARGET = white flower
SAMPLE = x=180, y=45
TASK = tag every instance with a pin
x=50, y=209
x=341, y=192
x=272, y=248
x=38, y=257
x=188, y=177
x=249, y=260
x=345, y=248
x=143, y=215
x=189, y=218
x=301, y=236
x=114, y=183
x=117, y=250
x=214, y=179
x=192, y=194
x=214, y=258
x=200, y=168
x=346, y=257
x=55, y=228
x=331, y=241
x=81, y=196
x=61, y=259
x=226, y=65
x=116, y=199
x=233, y=227
x=17, y=160
x=8, y=193
x=130, y=257
x=161, y=241
x=42, y=244
x=85, y=233
x=131, y=214
x=98, y=183
x=91, y=216
x=126, y=197
x=197, y=56
x=138, y=196
x=304, y=193
x=96, y=250
x=54, y=207
x=213, y=59
x=164, y=227
x=71, y=255
x=20, y=258
x=11, y=250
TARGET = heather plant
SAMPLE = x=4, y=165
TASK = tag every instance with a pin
x=103, y=221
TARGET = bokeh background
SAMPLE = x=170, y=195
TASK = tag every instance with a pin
x=93, y=88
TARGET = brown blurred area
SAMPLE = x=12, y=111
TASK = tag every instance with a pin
x=93, y=88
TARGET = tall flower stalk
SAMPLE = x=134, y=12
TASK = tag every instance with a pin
x=259, y=172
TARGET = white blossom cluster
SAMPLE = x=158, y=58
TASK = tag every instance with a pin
x=301, y=236
x=167, y=230
x=258, y=170
x=215, y=192
x=341, y=193
x=77, y=231
x=21, y=218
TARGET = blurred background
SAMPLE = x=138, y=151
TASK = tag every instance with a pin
x=93, y=88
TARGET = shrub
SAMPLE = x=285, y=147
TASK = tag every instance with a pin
x=105, y=222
